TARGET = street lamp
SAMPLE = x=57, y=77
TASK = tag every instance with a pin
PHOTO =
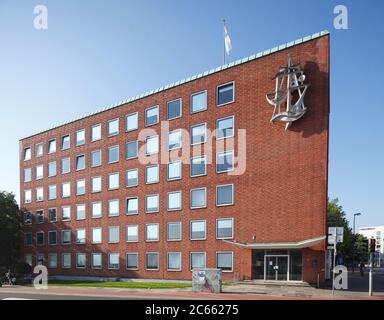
x=353, y=249
x=354, y=220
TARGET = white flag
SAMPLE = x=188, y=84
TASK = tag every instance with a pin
x=227, y=41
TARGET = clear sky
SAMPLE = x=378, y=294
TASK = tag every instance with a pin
x=96, y=53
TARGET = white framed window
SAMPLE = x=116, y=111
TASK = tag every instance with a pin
x=81, y=260
x=65, y=142
x=65, y=189
x=96, y=236
x=52, y=260
x=96, y=132
x=80, y=212
x=95, y=158
x=66, y=260
x=27, y=154
x=132, y=122
x=65, y=165
x=80, y=236
x=198, y=133
x=80, y=137
x=198, y=198
x=174, y=170
x=224, y=195
x=80, y=187
x=28, y=239
x=40, y=259
x=198, y=230
x=152, y=261
x=39, y=194
x=52, y=169
x=39, y=216
x=197, y=260
x=52, y=194
x=113, y=261
x=224, y=261
x=113, y=234
x=174, y=139
x=80, y=162
x=151, y=116
x=52, y=238
x=224, y=228
x=152, y=145
x=28, y=259
x=174, y=109
x=113, y=181
x=224, y=161
x=96, y=209
x=174, y=200
x=131, y=149
x=132, y=233
x=27, y=175
x=113, y=154
x=40, y=238
x=113, y=127
x=199, y=101
x=66, y=213
x=131, y=178
x=225, y=94
x=97, y=262
x=39, y=149
x=96, y=184
x=52, y=146
x=152, y=232
x=39, y=172
x=225, y=127
x=152, y=174
x=66, y=237
x=132, y=206
x=132, y=260
x=27, y=196
x=174, y=261
x=52, y=215
x=152, y=203
x=113, y=207
x=174, y=231
x=27, y=218
x=198, y=166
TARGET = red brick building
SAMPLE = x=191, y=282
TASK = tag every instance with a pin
x=95, y=208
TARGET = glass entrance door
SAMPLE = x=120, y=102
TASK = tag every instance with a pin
x=276, y=268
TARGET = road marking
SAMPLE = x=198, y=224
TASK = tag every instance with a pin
x=11, y=298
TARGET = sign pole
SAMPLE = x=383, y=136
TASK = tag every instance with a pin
x=370, y=274
x=334, y=267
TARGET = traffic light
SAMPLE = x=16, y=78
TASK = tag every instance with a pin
x=373, y=245
x=365, y=246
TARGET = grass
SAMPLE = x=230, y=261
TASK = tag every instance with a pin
x=120, y=284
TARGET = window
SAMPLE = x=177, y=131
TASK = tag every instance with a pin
x=66, y=237
x=132, y=261
x=224, y=228
x=132, y=122
x=113, y=154
x=39, y=172
x=96, y=235
x=65, y=142
x=174, y=109
x=27, y=174
x=113, y=127
x=173, y=231
x=174, y=200
x=224, y=195
x=80, y=187
x=28, y=259
x=198, y=230
x=27, y=154
x=65, y=189
x=152, y=174
x=225, y=94
x=39, y=194
x=152, y=145
x=40, y=238
x=65, y=165
x=199, y=102
x=52, y=260
x=80, y=162
x=66, y=213
x=95, y=184
x=97, y=261
x=96, y=210
x=174, y=139
x=80, y=211
x=152, y=261
x=39, y=149
x=152, y=203
x=40, y=259
x=39, y=216
x=131, y=178
x=52, y=146
x=198, y=198
x=27, y=196
x=198, y=134
x=224, y=161
x=132, y=205
x=52, y=237
x=113, y=234
x=28, y=239
x=66, y=260
x=52, y=169
x=96, y=132
x=80, y=137
x=113, y=181
x=152, y=232
x=96, y=158
x=132, y=233
x=224, y=128
x=174, y=170
x=174, y=261
x=198, y=166
x=151, y=116
x=27, y=218
x=113, y=261
x=197, y=260
x=52, y=192
x=113, y=208
x=224, y=261
x=52, y=215
x=131, y=149
x=80, y=236
x=80, y=260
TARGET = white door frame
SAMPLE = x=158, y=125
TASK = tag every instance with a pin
x=276, y=256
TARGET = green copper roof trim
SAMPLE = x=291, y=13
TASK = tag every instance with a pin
x=192, y=78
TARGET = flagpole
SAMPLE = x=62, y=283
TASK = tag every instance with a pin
x=223, y=41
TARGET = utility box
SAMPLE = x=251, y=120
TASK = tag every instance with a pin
x=206, y=280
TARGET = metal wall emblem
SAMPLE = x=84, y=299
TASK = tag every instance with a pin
x=288, y=103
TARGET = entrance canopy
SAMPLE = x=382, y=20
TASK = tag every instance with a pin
x=278, y=245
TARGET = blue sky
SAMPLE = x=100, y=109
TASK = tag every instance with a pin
x=97, y=53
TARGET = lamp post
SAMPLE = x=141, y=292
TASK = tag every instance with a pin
x=354, y=220
x=354, y=232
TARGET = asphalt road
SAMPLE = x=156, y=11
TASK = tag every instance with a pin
x=24, y=296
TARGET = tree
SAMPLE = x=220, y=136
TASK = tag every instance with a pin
x=9, y=230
